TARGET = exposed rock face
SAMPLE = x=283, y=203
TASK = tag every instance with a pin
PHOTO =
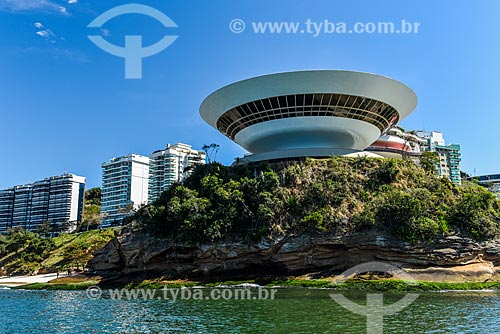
x=449, y=259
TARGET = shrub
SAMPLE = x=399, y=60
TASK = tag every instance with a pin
x=314, y=220
x=410, y=215
x=477, y=213
x=337, y=196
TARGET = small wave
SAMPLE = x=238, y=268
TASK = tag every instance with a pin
x=247, y=285
x=242, y=285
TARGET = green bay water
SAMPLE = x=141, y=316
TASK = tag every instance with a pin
x=295, y=310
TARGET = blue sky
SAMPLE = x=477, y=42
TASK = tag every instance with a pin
x=66, y=106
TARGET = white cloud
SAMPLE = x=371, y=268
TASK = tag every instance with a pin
x=31, y=5
x=72, y=1
x=47, y=33
x=43, y=33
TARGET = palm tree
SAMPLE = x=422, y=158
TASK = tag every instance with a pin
x=211, y=152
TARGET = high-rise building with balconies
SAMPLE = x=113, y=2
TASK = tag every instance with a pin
x=449, y=156
x=124, y=187
x=56, y=200
x=171, y=165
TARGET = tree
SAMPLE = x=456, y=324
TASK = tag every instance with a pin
x=91, y=217
x=429, y=162
x=44, y=229
x=77, y=254
x=477, y=213
x=211, y=152
x=48, y=228
x=93, y=196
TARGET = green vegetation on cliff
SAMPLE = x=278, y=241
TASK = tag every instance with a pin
x=337, y=196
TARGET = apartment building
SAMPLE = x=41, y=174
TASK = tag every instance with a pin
x=449, y=156
x=124, y=187
x=171, y=165
x=398, y=143
x=56, y=200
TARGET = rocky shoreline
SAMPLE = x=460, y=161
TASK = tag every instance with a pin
x=137, y=256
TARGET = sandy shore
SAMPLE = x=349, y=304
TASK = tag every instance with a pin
x=10, y=281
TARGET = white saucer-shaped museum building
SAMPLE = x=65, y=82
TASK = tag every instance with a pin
x=307, y=113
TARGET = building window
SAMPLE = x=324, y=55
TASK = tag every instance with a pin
x=377, y=113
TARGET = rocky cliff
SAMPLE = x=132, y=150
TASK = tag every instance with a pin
x=139, y=256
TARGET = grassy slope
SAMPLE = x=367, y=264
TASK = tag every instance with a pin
x=89, y=242
x=71, y=250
